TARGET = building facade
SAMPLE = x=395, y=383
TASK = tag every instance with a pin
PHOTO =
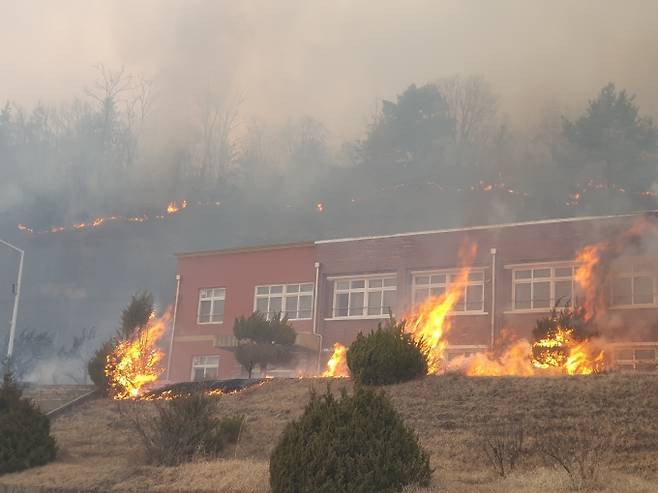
x=333, y=289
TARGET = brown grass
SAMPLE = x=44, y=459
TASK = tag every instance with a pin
x=98, y=451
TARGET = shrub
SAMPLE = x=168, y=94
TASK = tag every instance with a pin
x=185, y=428
x=97, y=364
x=387, y=355
x=25, y=439
x=355, y=444
x=502, y=443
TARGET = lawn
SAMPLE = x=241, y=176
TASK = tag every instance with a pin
x=98, y=451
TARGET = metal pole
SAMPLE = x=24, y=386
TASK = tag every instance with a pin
x=173, y=328
x=17, y=296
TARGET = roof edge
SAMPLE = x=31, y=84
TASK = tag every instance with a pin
x=247, y=249
x=488, y=226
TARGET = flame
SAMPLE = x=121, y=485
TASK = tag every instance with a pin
x=337, y=364
x=320, y=207
x=173, y=207
x=429, y=321
x=587, y=260
x=134, y=364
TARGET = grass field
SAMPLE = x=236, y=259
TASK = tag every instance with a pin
x=98, y=451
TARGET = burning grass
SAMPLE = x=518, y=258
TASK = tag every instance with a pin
x=99, y=451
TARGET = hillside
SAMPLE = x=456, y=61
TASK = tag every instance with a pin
x=99, y=452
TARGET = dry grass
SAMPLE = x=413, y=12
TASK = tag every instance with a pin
x=99, y=452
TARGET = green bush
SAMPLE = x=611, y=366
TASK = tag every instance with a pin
x=96, y=367
x=25, y=439
x=354, y=444
x=185, y=428
x=387, y=355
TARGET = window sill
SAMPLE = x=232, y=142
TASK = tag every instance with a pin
x=633, y=307
x=359, y=317
x=526, y=311
x=209, y=323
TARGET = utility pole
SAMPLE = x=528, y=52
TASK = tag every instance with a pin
x=17, y=296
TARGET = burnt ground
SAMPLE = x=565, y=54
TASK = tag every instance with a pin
x=99, y=451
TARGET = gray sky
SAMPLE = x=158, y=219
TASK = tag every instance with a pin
x=332, y=59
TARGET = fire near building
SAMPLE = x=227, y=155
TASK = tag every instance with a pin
x=473, y=294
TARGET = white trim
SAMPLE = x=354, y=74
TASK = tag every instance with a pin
x=552, y=279
x=450, y=272
x=204, y=366
x=492, y=226
x=358, y=317
x=366, y=292
x=212, y=305
x=284, y=294
x=632, y=274
x=539, y=265
x=526, y=311
x=361, y=276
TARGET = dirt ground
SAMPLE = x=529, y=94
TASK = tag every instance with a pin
x=98, y=451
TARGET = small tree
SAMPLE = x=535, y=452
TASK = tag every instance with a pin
x=352, y=444
x=263, y=342
x=387, y=355
x=97, y=364
x=25, y=439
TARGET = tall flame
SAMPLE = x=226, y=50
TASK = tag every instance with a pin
x=429, y=321
x=134, y=364
x=337, y=364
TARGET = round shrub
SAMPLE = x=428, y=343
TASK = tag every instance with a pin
x=25, y=439
x=387, y=355
x=354, y=444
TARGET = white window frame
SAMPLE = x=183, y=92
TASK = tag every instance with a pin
x=212, y=300
x=634, y=362
x=449, y=273
x=632, y=274
x=284, y=295
x=205, y=366
x=552, y=279
x=366, y=290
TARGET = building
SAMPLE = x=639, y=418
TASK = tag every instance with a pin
x=332, y=289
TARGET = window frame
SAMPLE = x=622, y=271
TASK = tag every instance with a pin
x=552, y=279
x=284, y=297
x=632, y=274
x=204, y=366
x=448, y=273
x=212, y=306
x=366, y=290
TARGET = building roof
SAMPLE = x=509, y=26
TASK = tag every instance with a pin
x=411, y=233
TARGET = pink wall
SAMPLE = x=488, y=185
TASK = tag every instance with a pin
x=238, y=272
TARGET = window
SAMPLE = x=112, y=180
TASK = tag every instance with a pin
x=638, y=358
x=633, y=287
x=205, y=368
x=293, y=300
x=364, y=297
x=542, y=288
x=211, y=306
x=435, y=284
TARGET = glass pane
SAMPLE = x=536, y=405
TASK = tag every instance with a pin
x=358, y=284
x=305, y=307
x=563, y=293
x=306, y=288
x=375, y=283
x=541, y=273
x=275, y=304
x=218, y=311
x=292, y=288
x=276, y=289
x=438, y=291
x=261, y=305
x=624, y=354
x=375, y=303
x=522, y=274
x=262, y=290
x=203, y=293
x=541, y=295
x=474, y=298
x=388, y=304
x=211, y=374
x=390, y=282
x=421, y=280
x=356, y=304
x=198, y=375
x=438, y=279
x=476, y=276
x=643, y=290
x=563, y=272
x=212, y=360
x=291, y=306
x=340, y=310
x=342, y=285
x=420, y=294
x=522, y=296
x=621, y=291
x=204, y=311
x=645, y=354
x=219, y=293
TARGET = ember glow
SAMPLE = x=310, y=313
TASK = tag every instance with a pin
x=134, y=365
x=429, y=321
x=337, y=364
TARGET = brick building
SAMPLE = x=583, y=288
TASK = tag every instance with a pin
x=332, y=289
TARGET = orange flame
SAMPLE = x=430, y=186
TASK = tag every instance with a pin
x=588, y=259
x=134, y=364
x=429, y=321
x=337, y=364
x=174, y=207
